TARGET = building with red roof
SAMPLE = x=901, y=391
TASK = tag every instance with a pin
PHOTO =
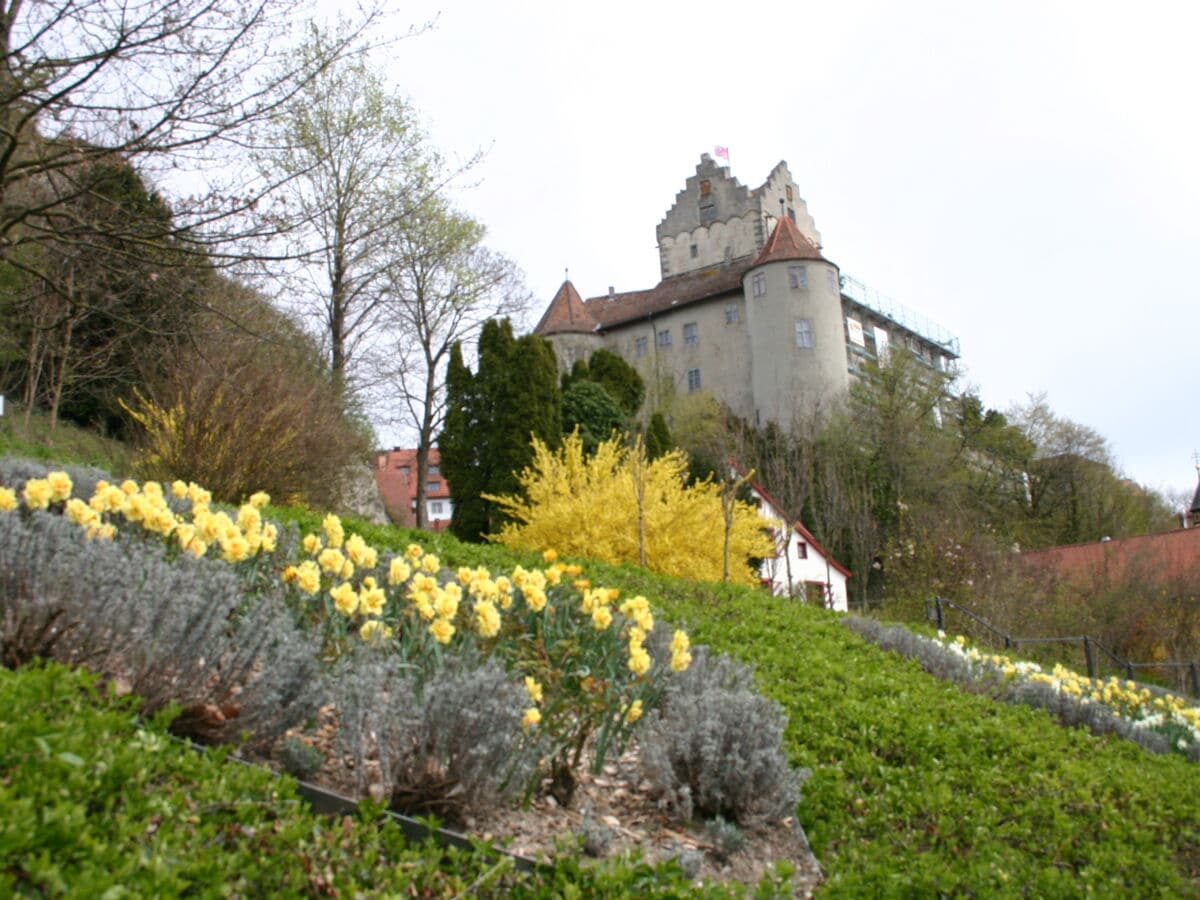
x=748, y=308
x=396, y=476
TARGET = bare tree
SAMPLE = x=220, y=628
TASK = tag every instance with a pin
x=167, y=86
x=442, y=285
x=356, y=168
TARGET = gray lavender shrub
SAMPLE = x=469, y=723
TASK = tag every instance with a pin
x=714, y=746
x=170, y=630
x=451, y=745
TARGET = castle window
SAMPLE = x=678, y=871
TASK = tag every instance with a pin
x=797, y=277
x=791, y=214
x=788, y=191
x=690, y=337
x=639, y=347
x=695, y=250
x=758, y=284
x=693, y=380
x=705, y=188
x=804, y=335
x=832, y=279
x=732, y=316
x=664, y=338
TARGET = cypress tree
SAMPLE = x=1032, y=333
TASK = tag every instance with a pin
x=491, y=420
x=619, y=378
x=658, y=437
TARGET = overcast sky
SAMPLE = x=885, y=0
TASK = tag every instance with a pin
x=1025, y=174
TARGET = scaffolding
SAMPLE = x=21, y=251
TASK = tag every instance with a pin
x=881, y=304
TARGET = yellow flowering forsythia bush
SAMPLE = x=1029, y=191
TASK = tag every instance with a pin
x=606, y=505
x=580, y=650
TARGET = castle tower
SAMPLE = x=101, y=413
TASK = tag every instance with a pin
x=569, y=327
x=716, y=220
x=794, y=321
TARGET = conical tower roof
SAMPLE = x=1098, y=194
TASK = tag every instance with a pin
x=787, y=242
x=566, y=314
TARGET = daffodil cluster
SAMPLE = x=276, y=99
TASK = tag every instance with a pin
x=146, y=508
x=584, y=658
x=1125, y=698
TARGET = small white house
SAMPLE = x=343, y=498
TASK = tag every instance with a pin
x=800, y=568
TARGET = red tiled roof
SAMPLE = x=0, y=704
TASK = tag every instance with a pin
x=1158, y=558
x=795, y=523
x=678, y=290
x=786, y=242
x=566, y=314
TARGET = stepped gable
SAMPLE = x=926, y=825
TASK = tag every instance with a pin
x=611, y=310
x=566, y=314
x=786, y=242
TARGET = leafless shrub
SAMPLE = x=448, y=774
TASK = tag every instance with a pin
x=714, y=747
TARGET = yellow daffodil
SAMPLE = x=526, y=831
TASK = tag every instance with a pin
x=533, y=689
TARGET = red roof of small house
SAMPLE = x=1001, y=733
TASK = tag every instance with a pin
x=396, y=477
x=786, y=242
x=1157, y=558
x=795, y=523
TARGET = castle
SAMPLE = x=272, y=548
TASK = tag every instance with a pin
x=749, y=309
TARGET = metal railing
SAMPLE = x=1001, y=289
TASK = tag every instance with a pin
x=935, y=611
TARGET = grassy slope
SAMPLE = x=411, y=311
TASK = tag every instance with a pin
x=64, y=443
x=919, y=788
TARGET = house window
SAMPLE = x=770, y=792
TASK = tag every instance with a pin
x=758, y=284
x=693, y=380
x=639, y=347
x=814, y=593
x=405, y=471
x=804, y=335
x=732, y=316
x=694, y=250
x=435, y=469
x=431, y=486
x=797, y=277
x=436, y=508
x=801, y=550
x=690, y=337
x=664, y=338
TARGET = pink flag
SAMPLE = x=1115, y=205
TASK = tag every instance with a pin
x=722, y=152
